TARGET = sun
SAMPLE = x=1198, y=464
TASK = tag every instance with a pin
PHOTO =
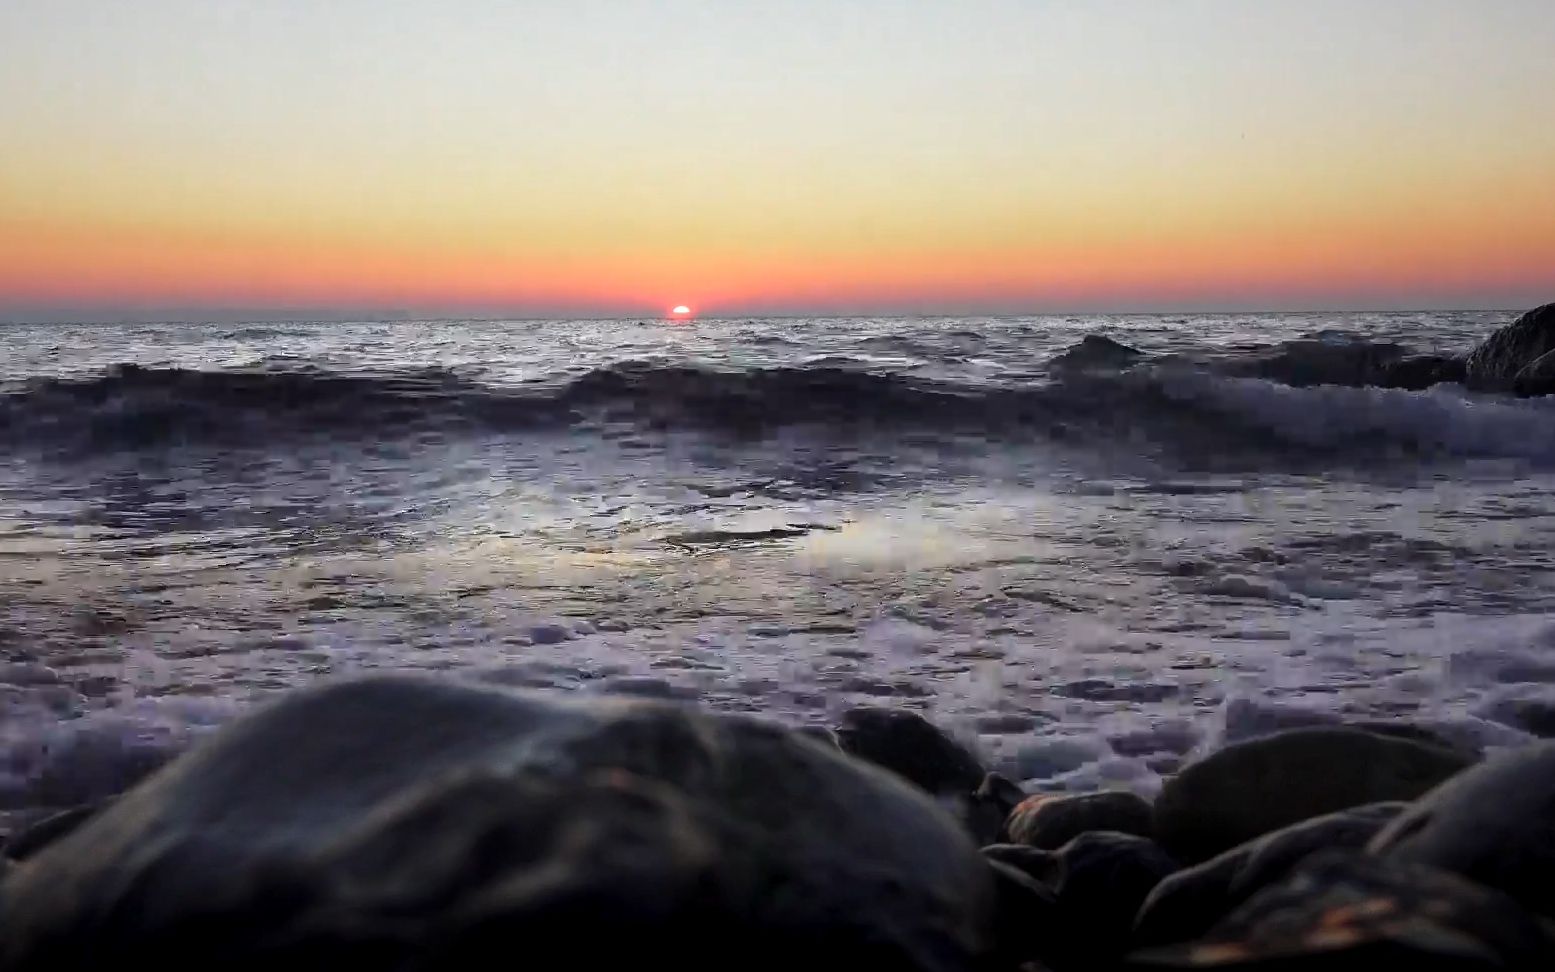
x=680, y=311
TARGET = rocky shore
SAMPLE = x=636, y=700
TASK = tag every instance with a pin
x=410, y=824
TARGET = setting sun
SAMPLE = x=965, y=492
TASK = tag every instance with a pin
x=680, y=310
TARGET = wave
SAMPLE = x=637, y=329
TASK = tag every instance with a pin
x=1166, y=405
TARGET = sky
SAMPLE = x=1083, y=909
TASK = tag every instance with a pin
x=791, y=156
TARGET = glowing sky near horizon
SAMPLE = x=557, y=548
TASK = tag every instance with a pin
x=625, y=156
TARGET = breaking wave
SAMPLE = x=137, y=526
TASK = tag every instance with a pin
x=1167, y=403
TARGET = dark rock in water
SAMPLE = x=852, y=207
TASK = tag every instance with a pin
x=1418, y=372
x=1499, y=360
x=987, y=809
x=1533, y=713
x=28, y=842
x=910, y=746
x=1538, y=378
x=1190, y=902
x=1049, y=821
x=1256, y=787
x=1306, y=363
x=395, y=823
x=1353, y=913
x=1096, y=351
x=1494, y=824
x=1099, y=880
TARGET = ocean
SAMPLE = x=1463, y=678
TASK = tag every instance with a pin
x=1092, y=566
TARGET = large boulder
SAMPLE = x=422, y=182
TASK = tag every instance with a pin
x=1494, y=824
x=1353, y=913
x=1190, y=902
x=1509, y=360
x=397, y=823
x=1049, y=821
x=1256, y=787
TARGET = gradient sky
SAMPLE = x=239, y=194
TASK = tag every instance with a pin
x=622, y=156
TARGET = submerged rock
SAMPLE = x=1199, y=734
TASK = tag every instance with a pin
x=1494, y=824
x=1190, y=902
x=1512, y=359
x=396, y=823
x=1049, y=821
x=1354, y=913
x=1253, y=788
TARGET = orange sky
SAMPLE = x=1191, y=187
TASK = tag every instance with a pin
x=1002, y=156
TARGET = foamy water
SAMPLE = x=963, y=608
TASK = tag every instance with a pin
x=1092, y=574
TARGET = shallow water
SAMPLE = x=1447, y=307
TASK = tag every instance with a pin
x=1090, y=573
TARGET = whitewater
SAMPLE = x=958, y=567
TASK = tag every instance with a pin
x=1090, y=564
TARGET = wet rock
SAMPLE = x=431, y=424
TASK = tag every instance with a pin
x=1049, y=822
x=1097, y=351
x=421, y=825
x=1353, y=913
x=1500, y=361
x=1418, y=372
x=1098, y=881
x=1309, y=362
x=39, y=835
x=910, y=746
x=1191, y=901
x=1533, y=713
x=1494, y=824
x=1256, y=787
x=985, y=811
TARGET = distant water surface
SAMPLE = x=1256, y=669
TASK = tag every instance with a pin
x=1092, y=570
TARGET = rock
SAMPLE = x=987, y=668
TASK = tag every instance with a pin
x=1253, y=788
x=1494, y=824
x=910, y=746
x=1533, y=713
x=1418, y=372
x=1309, y=362
x=1098, y=880
x=1499, y=360
x=1191, y=901
x=1049, y=822
x=1023, y=915
x=1096, y=351
x=1353, y=913
x=985, y=811
x=46, y=831
x=416, y=825
x=1538, y=378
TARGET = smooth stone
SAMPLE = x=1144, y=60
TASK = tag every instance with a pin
x=1495, y=364
x=421, y=825
x=1494, y=824
x=1049, y=822
x=39, y=835
x=1098, y=880
x=1347, y=912
x=910, y=746
x=1190, y=902
x=1024, y=915
x=1256, y=787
